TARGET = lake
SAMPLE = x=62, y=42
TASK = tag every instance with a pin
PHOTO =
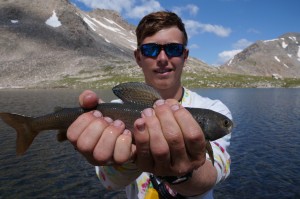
x=265, y=147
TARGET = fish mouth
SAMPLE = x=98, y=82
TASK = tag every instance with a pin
x=228, y=124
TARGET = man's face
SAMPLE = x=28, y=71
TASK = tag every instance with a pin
x=163, y=72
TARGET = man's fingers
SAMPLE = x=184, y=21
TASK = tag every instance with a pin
x=193, y=136
x=173, y=135
x=143, y=154
x=123, y=148
x=80, y=124
x=90, y=136
x=104, y=149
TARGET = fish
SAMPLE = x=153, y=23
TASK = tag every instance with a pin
x=135, y=97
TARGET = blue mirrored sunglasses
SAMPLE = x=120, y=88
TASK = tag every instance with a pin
x=153, y=49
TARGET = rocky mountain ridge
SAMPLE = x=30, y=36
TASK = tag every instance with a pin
x=280, y=56
x=54, y=44
x=46, y=41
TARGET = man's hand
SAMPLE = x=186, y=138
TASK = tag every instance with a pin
x=99, y=139
x=168, y=140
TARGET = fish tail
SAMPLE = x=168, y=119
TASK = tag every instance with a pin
x=25, y=132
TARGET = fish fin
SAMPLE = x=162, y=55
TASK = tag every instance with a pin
x=58, y=108
x=25, y=132
x=136, y=93
x=62, y=135
x=210, y=152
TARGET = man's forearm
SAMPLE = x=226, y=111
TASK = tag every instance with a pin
x=203, y=179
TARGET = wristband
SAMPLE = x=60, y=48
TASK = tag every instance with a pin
x=174, y=180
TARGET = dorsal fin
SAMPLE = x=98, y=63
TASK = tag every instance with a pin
x=136, y=93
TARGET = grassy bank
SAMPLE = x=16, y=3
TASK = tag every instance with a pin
x=190, y=80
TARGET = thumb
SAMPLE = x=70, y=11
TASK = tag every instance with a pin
x=88, y=99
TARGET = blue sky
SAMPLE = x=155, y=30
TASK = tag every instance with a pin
x=217, y=29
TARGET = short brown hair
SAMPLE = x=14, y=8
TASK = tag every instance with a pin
x=156, y=21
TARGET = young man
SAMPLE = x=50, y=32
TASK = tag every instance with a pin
x=168, y=153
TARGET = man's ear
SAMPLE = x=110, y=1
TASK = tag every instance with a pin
x=186, y=54
x=137, y=56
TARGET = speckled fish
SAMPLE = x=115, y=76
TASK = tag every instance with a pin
x=135, y=96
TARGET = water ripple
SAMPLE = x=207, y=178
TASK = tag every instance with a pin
x=265, y=148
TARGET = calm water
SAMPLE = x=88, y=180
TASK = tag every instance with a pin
x=265, y=148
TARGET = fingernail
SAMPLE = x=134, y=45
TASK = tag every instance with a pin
x=159, y=102
x=126, y=132
x=97, y=113
x=175, y=107
x=140, y=127
x=108, y=119
x=148, y=112
x=117, y=123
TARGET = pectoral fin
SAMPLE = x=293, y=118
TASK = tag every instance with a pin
x=62, y=135
x=210, y=152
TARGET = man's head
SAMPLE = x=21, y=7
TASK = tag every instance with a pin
x=157, y=21
x=162, y=52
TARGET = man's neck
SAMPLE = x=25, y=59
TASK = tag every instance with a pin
x=174, y=93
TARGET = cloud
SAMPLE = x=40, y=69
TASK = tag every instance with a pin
x=241, y=44
x=193, y=46
x=145, y=8
x=252, y=30
x=130, y=8
x=191, y=9
x=217, y=29
x=194, y=27
x=117, y=5
x=227, y=55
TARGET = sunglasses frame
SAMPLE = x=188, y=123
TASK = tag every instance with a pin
x=162, y=46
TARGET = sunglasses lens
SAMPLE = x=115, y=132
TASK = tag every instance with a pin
x=174, y=50
x=153, y=49
x=150, y=50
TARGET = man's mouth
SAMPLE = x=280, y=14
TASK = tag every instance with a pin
x=164, y=70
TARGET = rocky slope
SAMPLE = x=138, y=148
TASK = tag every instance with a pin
x=46, y=41
x=278, y=57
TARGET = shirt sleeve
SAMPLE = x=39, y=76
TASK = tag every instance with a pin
x=117, y=177
x=220, y=146
x=222, y=159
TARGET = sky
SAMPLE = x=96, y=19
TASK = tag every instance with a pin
x=217, y=29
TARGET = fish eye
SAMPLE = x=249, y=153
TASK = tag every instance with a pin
x=226, y=123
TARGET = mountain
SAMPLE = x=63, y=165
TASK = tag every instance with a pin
x=53, y=44
x=280, y=56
